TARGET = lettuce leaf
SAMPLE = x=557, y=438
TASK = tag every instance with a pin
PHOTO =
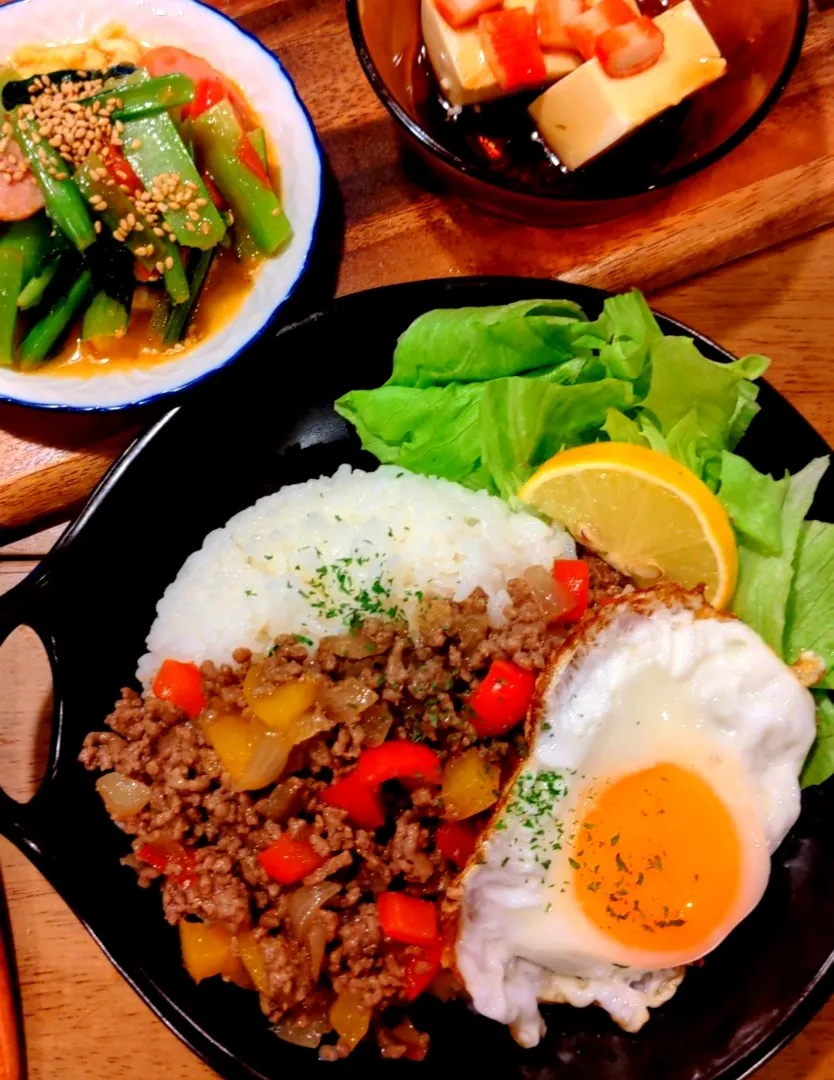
x=436, y=431
x=819, y=765
x=466, y=345
x=810, y=619
x=764, y=581
x=754, y=502
x=526, y=421
x=485, y=395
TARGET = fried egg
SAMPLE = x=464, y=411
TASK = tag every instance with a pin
x=666, y=742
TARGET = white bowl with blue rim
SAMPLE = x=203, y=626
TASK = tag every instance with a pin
x=191, y=25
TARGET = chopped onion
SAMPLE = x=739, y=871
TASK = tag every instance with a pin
x=268, y=761
x=551, y=597
x=376, y=722
x=303, y=1029
x=282, y=801
x=344, y=701
x=305, y=902
x=122, y=796
x=353, y=646
x=316, y=941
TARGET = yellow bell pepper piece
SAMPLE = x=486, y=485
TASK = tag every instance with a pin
x=234, y=740
x=470, y=785
x=252, y=956
x=350, y=1018
x=282, y=706
x=207, y=951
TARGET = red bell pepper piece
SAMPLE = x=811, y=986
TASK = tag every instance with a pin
x=207, y=93
x=399, y=759
x=182, y=685
x=407, y=919
x=572, y=576
x=288, y=861
x=502, y=698
x=167, y=853
x=421, y=970
x=458, y=13
x=247, y=155
x=169, y=60
x=363, y=804
x=511, y=45
x=553, y=16
x=631, y=48
x=584, y=30
x=455, y=840
x=214, y=192
x=122, y=172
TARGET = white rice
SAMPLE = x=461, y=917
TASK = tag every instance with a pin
x=313, y=556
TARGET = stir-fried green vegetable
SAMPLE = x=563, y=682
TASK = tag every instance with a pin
x=123, y=173
x=146, y=98
x=11, y=276
x=116, y=206
x=236, y=168
x=180, y=315
x=45, y=335
x=64, y=203
x=105, y=317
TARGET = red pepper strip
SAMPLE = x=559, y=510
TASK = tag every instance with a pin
x=207, y=94
x=214, y=192
x=404, y=918
x=398, y=760
x=502, y=699
x=161, y=856
x=288, y=861
x=421, y=970
x=362, y=803
x=247, y=155
x=182, y=685
x=455, y=841
x=122, y=172
x=573, y=576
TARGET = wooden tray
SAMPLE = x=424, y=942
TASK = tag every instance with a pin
x=777, y=185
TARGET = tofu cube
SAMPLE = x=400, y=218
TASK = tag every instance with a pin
x=588, y=112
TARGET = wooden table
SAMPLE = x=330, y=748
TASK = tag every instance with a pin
x=81, y=1019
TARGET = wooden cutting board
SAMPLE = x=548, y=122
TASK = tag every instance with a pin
x=777, y=185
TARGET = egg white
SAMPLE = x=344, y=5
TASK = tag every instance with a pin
x=658, y=677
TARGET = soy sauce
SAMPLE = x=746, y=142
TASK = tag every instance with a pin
x=500, y=139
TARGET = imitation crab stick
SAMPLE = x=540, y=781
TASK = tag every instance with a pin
x=552, y=17
x=629, y=49
x=584, y=30
x=511, y=46
x=458, y=13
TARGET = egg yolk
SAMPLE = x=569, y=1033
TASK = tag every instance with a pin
x=656, y=859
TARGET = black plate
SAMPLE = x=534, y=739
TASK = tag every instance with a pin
x=92, y=601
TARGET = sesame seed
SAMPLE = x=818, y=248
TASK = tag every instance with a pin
x=169, y=263
x=205, y=228
x=136, y=144
x=97, y=226
x=190, y=227
x=161, y=267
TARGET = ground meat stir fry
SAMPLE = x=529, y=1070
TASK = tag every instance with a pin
x=306, y=928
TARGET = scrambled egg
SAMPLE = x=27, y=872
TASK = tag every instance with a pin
x=109, y=46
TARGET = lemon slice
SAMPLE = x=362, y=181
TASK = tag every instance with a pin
x=645, y=514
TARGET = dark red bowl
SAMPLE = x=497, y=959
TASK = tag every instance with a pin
x=761, y=41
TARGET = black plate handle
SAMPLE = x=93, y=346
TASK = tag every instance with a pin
x=25, y=605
